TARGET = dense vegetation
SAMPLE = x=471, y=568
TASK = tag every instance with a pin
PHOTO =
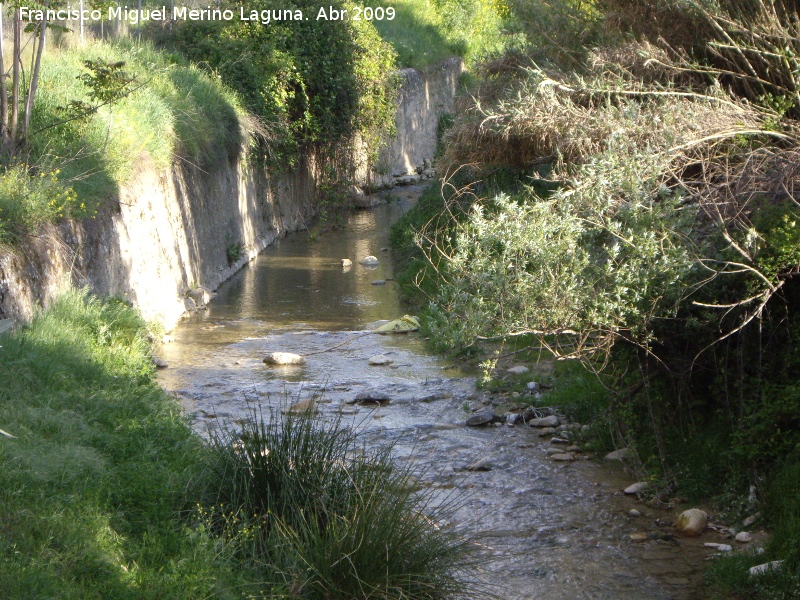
x=622, y=193
x=107, y=493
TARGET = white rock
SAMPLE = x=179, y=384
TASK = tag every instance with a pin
x=346, y=262
x=563, y=456
x=284, y=358
x=519, y=370
x=760, y=569
x=379, y=360
x=751, y=519
x=743, y=537
x=369, y=261
x=634, y=513
x=692, y=522
x=551, y=421
x=720, y=547
x=532, y=386
x=635, y=488
x=620, y=454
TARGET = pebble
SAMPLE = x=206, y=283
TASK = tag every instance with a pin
x=532, y=386
x=159, y=362
x=379, y=282
x=751, y=519
x=346, y=262
x=639, y=537
x=558, y=440
x=743, y=537
x=369, y=261
x=634, y=513
x=547, y=431
x=635, y=488
x=379, y=360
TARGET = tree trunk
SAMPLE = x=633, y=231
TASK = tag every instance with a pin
x=15, y=83
x=3, y=89
x=34, y=80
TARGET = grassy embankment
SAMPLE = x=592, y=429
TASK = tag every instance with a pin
x=76, y=167
x=647, y=229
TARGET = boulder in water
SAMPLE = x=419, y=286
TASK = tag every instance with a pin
x=284, y=358
x=369, y=261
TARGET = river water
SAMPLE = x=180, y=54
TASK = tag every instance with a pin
x=551, y=530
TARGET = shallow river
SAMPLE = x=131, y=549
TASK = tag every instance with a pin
x=552, y=530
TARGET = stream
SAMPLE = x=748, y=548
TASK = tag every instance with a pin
x=551, y=529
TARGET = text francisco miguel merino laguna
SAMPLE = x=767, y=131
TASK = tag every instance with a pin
x=177, y=13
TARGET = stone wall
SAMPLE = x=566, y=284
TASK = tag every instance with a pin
x=168, y=242
x=424, y=98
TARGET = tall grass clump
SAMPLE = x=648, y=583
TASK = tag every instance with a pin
x=323, y=518
x=94, y=477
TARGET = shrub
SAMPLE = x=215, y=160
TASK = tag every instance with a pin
x=28, y=201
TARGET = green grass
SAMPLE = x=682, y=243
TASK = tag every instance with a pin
x=426, y=32
x=91, y=486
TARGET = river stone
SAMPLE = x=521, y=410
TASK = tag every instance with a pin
x=379, y=282
x=547, y=431
x=481, y=465
x=634, y=513
x=371, y=398
x=744, y=537
x=369, y=261
x=563, y=456
x=551, y=421
x=751, y=519
x=621, y=454
x=532, y=386
x=635, y=488
x=519, y=370
x=284, y=358
x=379, y=360
x=639, y=536
x=480, y=418
x=346, y=262
x=692, y=522
x=720, y=547
x=558, y=440
x=159, y=362
x=760, y=569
